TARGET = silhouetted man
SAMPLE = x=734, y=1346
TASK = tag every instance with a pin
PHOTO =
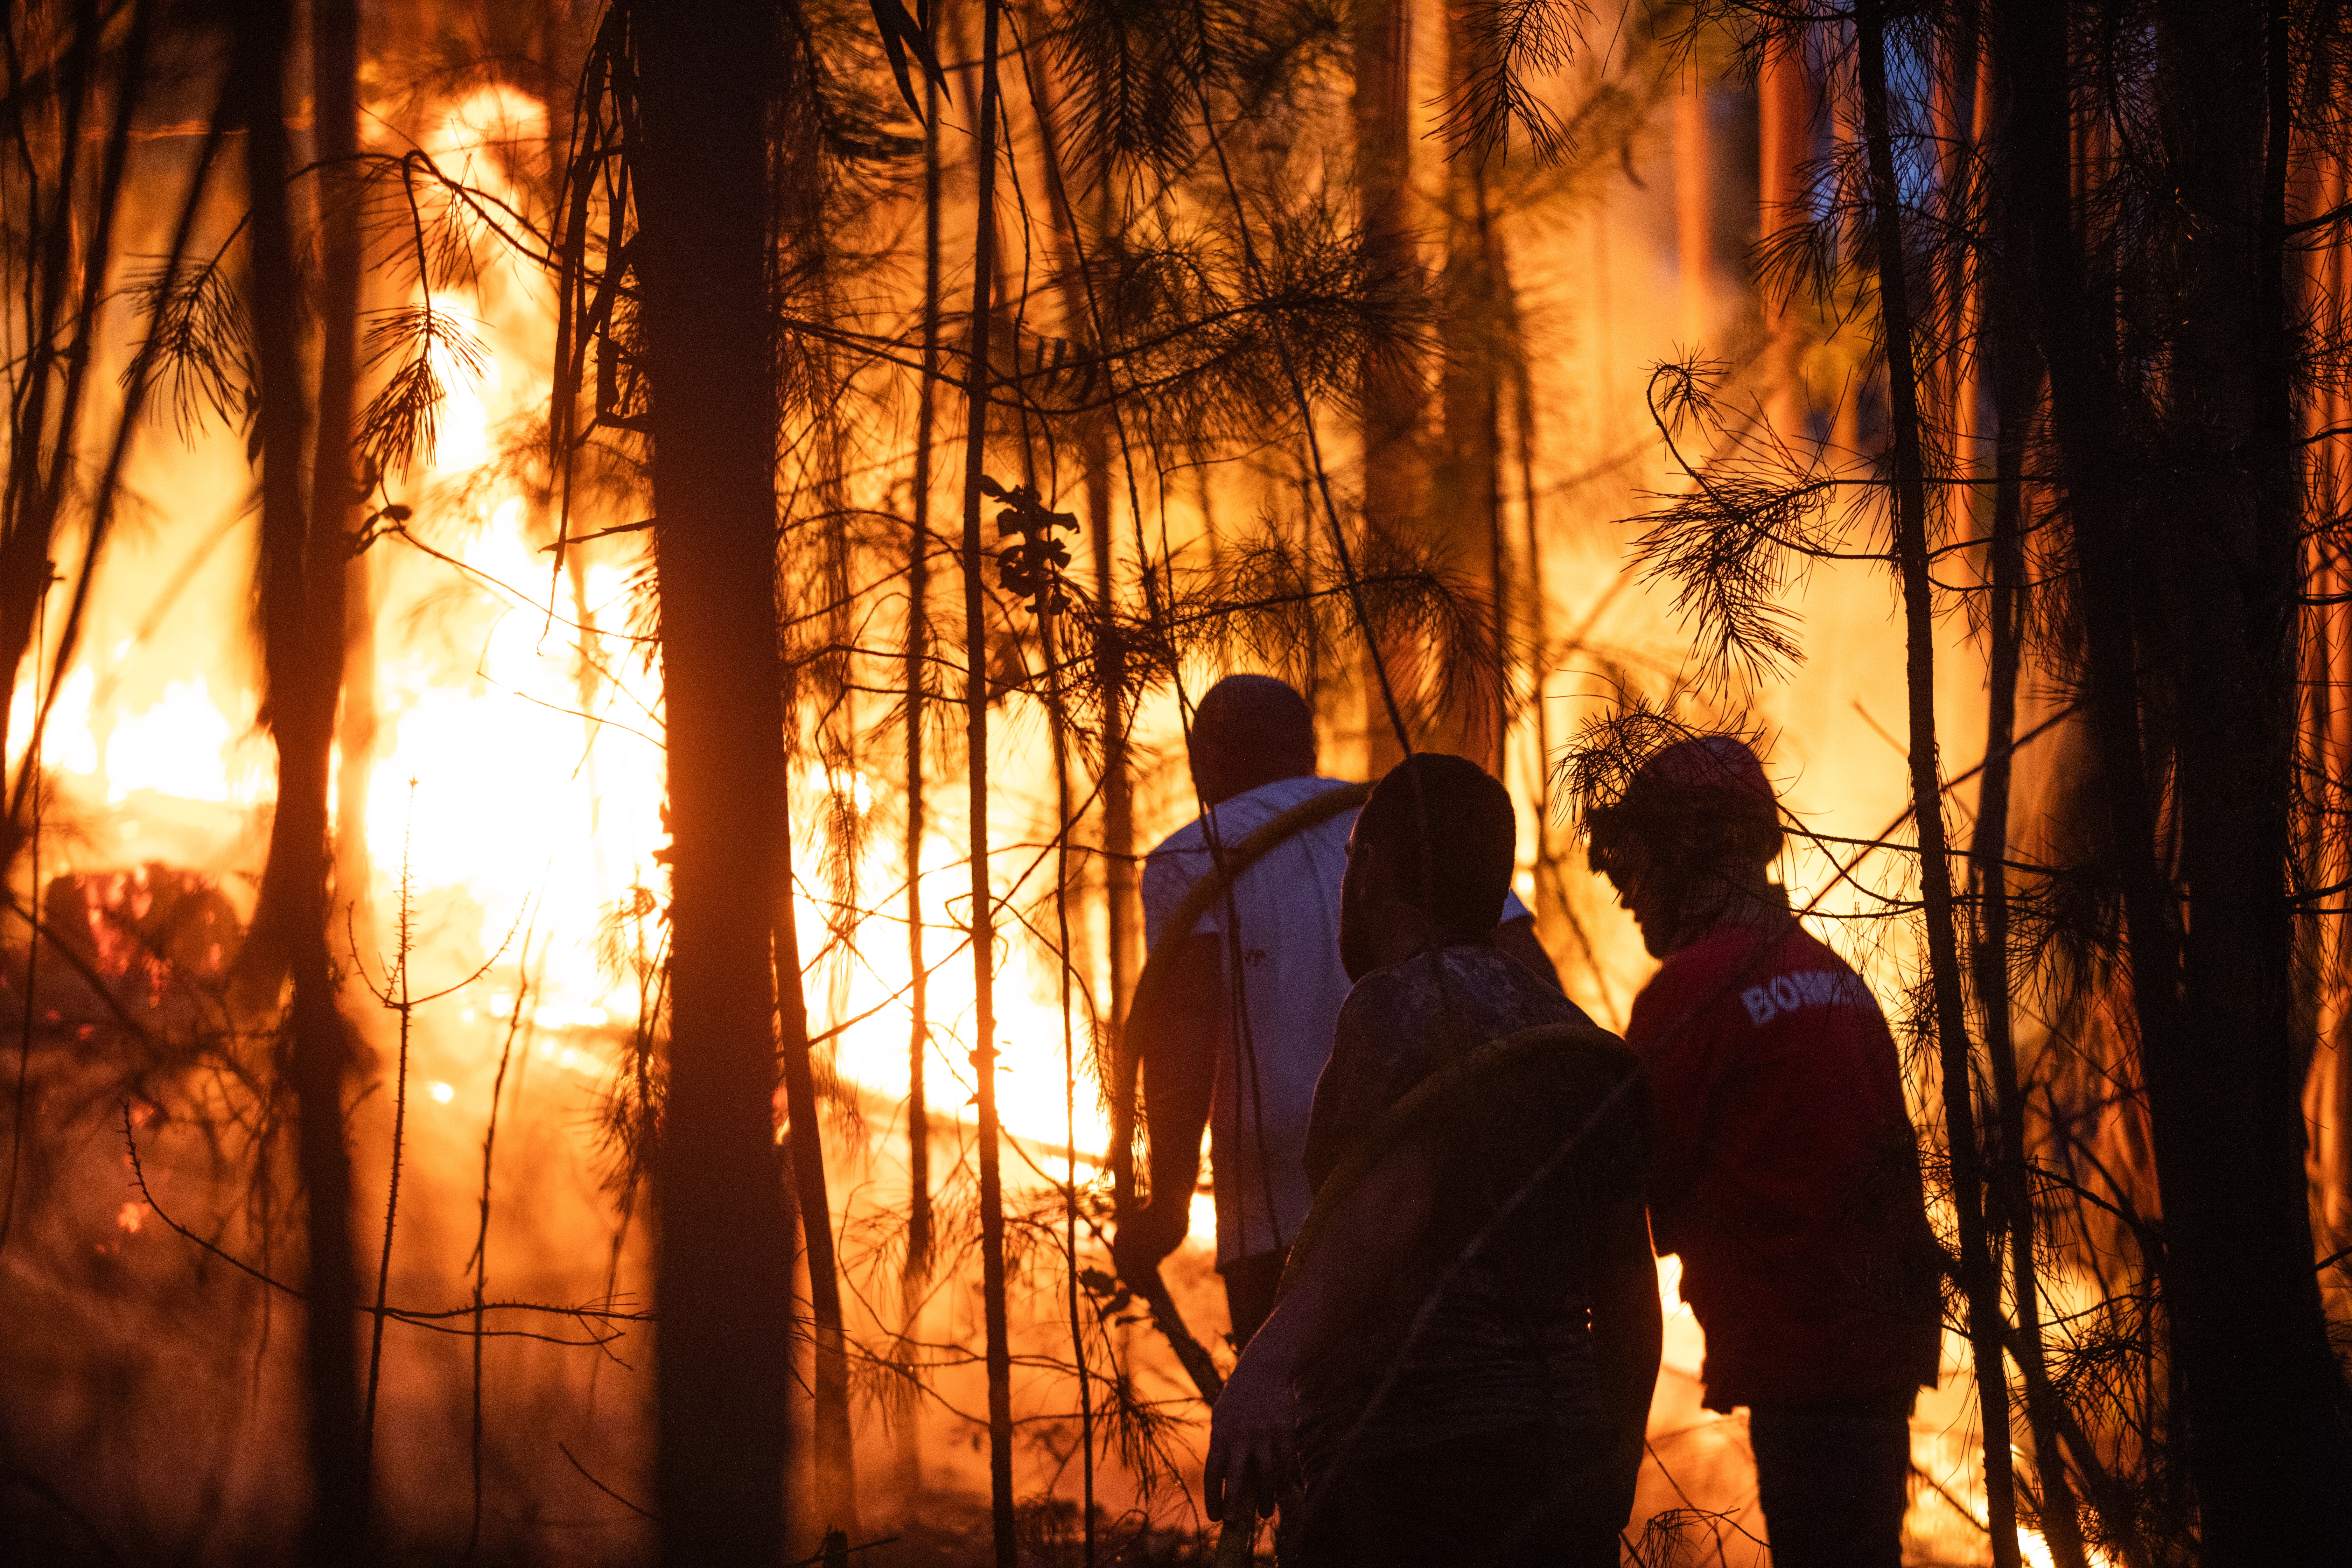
x=1460, y=1365
x=1243, y=1024
x=1784, y=1167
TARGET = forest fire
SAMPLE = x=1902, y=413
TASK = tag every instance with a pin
x=600, y=990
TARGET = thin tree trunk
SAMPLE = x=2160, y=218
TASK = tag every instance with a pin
x=1465, y=521
x=1997, y=320
x=1458, y=517
x=41, y=466
x=1124, y=930
x=27, y=510
x=2261, y=1398
x=1694, y=209
x=2016, y=385
x=724, y=1269
x=2071, y=314
x=1394, y=475
x=916, y=1272
x=480, y=1261
x=1096, y=459
x=2327, y=1096
x=1781, y=144
x=835, y=1471
x=1845, y=417
x=2267, y=1402
x=984, y=918
x=335, y=46
x=301, y=567
x=1058, y=724
x=2330, y=1090
x=1958, y=114
x=355, y=741
x=1979, y=1271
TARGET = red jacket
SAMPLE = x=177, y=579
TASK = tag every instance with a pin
x=1784, y=1172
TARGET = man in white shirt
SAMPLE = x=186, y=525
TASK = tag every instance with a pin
x=1245, y=1022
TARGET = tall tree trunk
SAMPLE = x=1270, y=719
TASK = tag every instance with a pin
x=1394, y=473
x=1126, y=926
x=27, y=512
x=1783, y=141
x=301, y=572
x=1853, y=390
x=2017, y=379
x=1957, y=111
x=46, y=424
x=1124, y=914
x=916, y=1272
x=2070, y=307
x=1094, y=457
x=1124, y=930
x=335, y=46
x=1694, y=208
x=1464, y=518
x=355, y=741
x=2327, y=1091
x=1909, y=495
x=2267, y=1411
x=724, y=1269
x=1057, y=718
x=1557, y=929
x=836, y=1459
x=2263, y=1397
x=1964, y=87
x=983, y=914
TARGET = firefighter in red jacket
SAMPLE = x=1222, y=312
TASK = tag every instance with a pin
x=1785, y=1171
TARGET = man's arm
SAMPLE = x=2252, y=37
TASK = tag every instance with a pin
x=1628, y=1332
x=1358, y=1258
x=1180, y=1073
x=1678, y=1048
x=1518, y=937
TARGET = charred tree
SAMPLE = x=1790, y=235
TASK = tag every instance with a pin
x=335, y=65
x=300, y=595
x=1466, y=478
x=1908, y=498
x=700, y=165
x=1783, y=144
x=2186, y=588
x=834, y=1469
x=918, y=1266
x=2016, y=380
x=2268, y=1405
x=1080, y=319
x=1389, y=390
x=1693, y=205
x=64, y=278
x=975, y=555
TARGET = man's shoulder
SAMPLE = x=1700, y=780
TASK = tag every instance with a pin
x=1373, y=1000
x=1243, y=815
x=1741, y=950
x=1510, y=988
x=1403, y=996
x=1758, y=974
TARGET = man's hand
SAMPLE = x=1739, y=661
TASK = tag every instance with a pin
x=1621, y=1277
x=1362, y=1250
x=1178, y=1039
x=1148, y=1233
x=1252, y=1451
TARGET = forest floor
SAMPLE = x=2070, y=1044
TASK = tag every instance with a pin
x=952, y=1529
